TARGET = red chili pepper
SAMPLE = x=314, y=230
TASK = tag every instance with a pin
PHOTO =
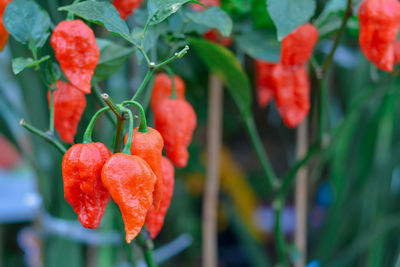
x=379, y=25
x=292, y=93
x=162, y=88
x=126, y=7
x=83, y=188
x=176, y=120
x=69, y=105
x=298, y=46
x=75, y=47
x=397, y=52
x=155, y=219
x=130, y=181
x=265, y=90
x=3, y=31
x=149, y=146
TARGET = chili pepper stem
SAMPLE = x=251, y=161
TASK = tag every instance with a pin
x=147, y=247
x=114, y=108
x=87, y=136
x=146, y=80
x=118, y=134
x=329, y=58
x=51, y=119
x=127, y=148
x=46, y=136
x=143, y=122
x=97, y=93
x=279, y=234
x=272, y=180
x=171, y=75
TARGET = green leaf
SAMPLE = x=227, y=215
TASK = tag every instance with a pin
x=20, y=63
x=259, y=44
x=213, y=17
x=290, y=14
x=27, y=22
x=159, y=10
x=260, y=15
x=224, y=64
x=102, y=13
x=112, y=57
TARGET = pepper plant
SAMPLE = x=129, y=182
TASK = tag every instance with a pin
x=72, y=52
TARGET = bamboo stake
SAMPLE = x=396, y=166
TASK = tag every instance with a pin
x=210, y=200
x=301, y=195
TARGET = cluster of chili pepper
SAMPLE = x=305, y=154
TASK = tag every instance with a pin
x=213, y=35
x=379, y=25
x=126, y=7
x=174, y=117
x=287, y=81
x=3, y=31
x=75, y=48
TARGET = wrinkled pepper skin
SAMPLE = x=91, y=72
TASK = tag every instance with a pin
x=298, y=46
x=3, y=31
x=379, y=24
x=162, y=88
x=149, y=147
x=76, y=50
x=126, y=7
x=265, y=90
x=69, y=105
x=176, y=120
x=130, y=181
x=83, y=188
x=155, y=219
x=292, y=93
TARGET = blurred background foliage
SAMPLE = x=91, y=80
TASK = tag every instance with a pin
x=354, y=185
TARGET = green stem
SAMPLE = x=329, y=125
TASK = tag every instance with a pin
x=279, y=235
x=97, y=93
x=146, y=80
x=51, y=119
x=87, y=136
x=262, y=156
x=147, y=247
x=47, y=137
x=118, y=134
x=146, y=57
x=70, y=15
x=114, y=108
x=127, y=148
x=175, y=56
x=143, y=122
x=346, y=17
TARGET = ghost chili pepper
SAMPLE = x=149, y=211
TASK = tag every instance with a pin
x=292, y=93
x=126, y=7
x=155, y=219
x=130, y=181
x=148, y=144
x=298, y=46
x=176, y=120
x=75, y=48
x=379, y=25
x=163, y=87
x=81, y=171
x=265, y=90
x=69, y=105
x=3, y=31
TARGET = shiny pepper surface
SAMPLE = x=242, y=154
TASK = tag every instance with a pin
x=265, y=90
x=83, y=188
x=130, y=181
x=298, y=46
x=76, y=50
x=149, y=147
x=69, y=105
x=292, y=93
x=126, y=7
x=3, y=31
x=379, y=24
x=162, y=88
x=176, y=120
x=155, y=219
